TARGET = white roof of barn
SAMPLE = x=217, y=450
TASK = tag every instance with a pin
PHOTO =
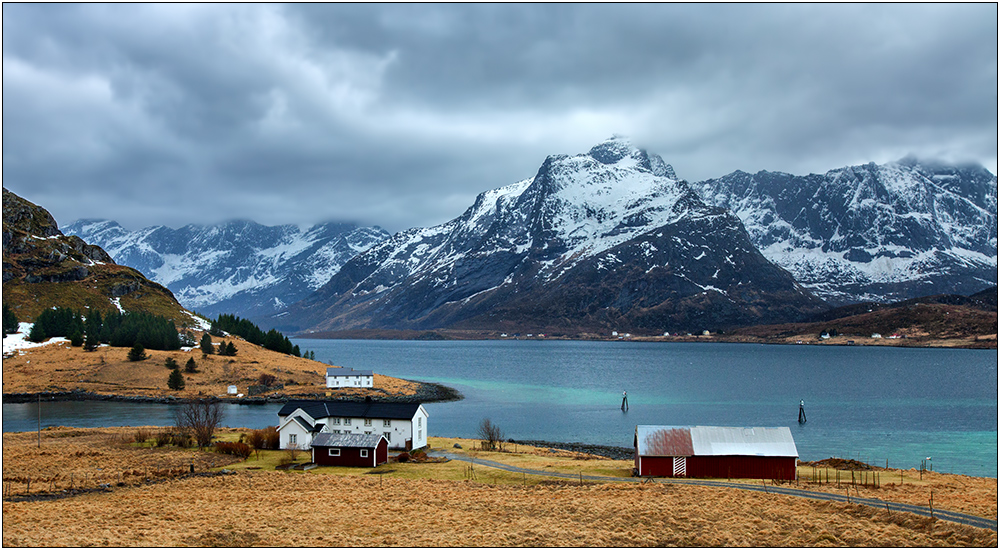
x=363, y=441
x=714, y=441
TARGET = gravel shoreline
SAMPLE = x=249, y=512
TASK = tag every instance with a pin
x=428, y=393
x=608, y=451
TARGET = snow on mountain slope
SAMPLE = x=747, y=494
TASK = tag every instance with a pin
x=236, y=267
x=574, y=226
x=881, y=233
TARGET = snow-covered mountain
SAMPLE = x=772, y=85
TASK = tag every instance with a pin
x=238, y=267
x=871, y=233
x=603, y=240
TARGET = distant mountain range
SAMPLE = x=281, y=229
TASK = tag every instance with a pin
x=871, y=233
x=610, y=238
x=43, y=268
x=238, y=267
x=602, y=240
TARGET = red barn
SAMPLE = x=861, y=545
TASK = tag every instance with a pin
x=715, y=452
x=364, y=450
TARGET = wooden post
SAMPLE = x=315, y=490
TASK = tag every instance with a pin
x=39, y=421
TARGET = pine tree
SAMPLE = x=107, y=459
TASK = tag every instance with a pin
x=37, y=333
x=137, y=353
x=206, y=344
x=176, y=380
x=10, y=323
x=170, y=363
x=91, y=342
x=76, y=339
x=190, y=366
x=230, y=349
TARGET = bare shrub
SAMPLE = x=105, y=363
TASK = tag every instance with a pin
x=403, y=457
x=180, y=439
x=266, y=379
x=491, y=434
x=239, y=449
x=141, y=435
x=201, y=418
x=163, y=438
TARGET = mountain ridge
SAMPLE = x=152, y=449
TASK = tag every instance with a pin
x=239, y=266
x=543, y=250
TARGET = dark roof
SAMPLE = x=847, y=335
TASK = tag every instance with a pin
x=341, y=371
x=362, y=441
x=351, y=409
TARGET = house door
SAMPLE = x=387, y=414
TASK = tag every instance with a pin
x=409, y=445
x=680, y=466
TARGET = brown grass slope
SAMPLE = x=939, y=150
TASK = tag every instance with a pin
x=43, y=268
x=61, y=368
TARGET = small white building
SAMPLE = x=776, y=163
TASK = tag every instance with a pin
x=232, y=390
x=337, y=377
x=404, y=425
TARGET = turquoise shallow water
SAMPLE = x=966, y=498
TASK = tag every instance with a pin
x=871, y=403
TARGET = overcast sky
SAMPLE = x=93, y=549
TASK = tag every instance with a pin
x=399, y=115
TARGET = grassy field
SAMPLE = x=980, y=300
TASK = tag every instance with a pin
x=58, y=367
x=425, y=504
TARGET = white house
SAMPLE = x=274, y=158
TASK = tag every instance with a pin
x=337, y=377
x=404, y=425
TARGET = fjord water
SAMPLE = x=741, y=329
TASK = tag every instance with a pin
x=869, y=403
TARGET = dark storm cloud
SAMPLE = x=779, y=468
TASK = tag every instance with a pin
x=398, y=115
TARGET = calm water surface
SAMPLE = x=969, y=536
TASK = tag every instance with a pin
x=872, y=403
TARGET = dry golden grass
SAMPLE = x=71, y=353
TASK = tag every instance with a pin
x=59, y=368
x=269, y=508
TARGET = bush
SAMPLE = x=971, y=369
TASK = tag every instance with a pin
x=200, y=418
x=241, y=450
x=403, y=457
x=170, y=363
x=163, y=439
x=141, y=435
x=180, y=439
x=266, y=379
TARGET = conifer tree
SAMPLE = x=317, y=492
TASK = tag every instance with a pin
x=176, y=380
x=137, y=353
x=230, y=349
x=170, y=363
x=206, y=344
x=76, y=339
x=37, y=333
x=190, y=366
x=10, y=322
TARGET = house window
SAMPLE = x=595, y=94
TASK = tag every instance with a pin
x=336, y=421
x=420, y=434
x=368, y=422
x=347, y=421
x=368, y=432
x=292, y=439
x=388, y=436
x=364, y=453
x=386, y=423
x=420, y=421
x=334, y=452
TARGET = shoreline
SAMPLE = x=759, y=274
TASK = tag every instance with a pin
x=475, y=336
x=429, y=392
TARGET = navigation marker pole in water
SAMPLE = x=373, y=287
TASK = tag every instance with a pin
x=624, y=401
x=802, y=412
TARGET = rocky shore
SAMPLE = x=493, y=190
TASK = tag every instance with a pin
x=616, y=453
x=427, y=393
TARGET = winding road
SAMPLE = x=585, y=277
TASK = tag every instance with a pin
x=956, y=517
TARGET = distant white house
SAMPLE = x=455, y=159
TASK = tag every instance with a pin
x=876, y=335
x=404, y=425
x=232, y=390
x=337, y=377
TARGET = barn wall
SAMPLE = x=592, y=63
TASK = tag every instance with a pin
x=738, y=467
x=348, y=457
